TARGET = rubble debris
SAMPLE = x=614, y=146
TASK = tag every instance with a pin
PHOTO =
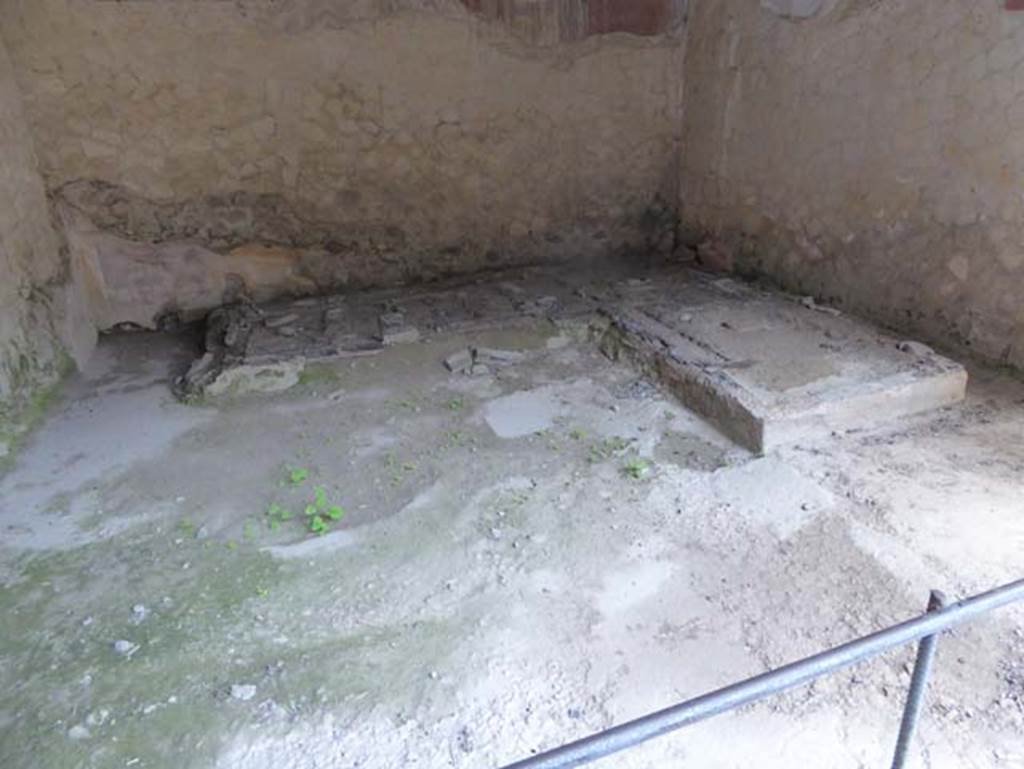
x=97, y=717
x=227, y=335
x=265, y=378
x=459, y=362
x=490, y=357
x=481, y=361
x=638, y=390
x=394, y=329
x=811, y=304
x=543, y=305
x=915, y=348
x=364, y=323
x=125, y=648
x=243, y=692
x=281, y=320
x=679, y=329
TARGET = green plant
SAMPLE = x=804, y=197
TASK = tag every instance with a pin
x=276, y=515
x=456, y=404
x=320, y=513
x=637, y=468
x=607, y=449
x=408, y=403
x=398, y=470
x=455, y=439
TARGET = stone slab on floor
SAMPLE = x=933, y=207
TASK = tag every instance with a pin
x=768, y=368
x=265, y=336
x=367, y=322
x=765, y=367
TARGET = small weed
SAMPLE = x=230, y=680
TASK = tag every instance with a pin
x=577, y=434
x=276, y=515
x=456, y=404
x=406, y=403
x=187, y=527
x=262, y=592
x=320, y=514
x=637, y=468
x=606, y=449
x=231, y=545
x=549, y=438
x=454, y=439
x=398, y=470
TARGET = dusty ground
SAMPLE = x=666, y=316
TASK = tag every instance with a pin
x=525, y=558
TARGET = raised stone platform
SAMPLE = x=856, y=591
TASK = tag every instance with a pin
x=768, y=368
x=765, y=367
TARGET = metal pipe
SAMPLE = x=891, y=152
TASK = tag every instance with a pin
x=759, y=687
x=918, y=686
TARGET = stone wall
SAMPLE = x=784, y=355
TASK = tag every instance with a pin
x=869, y=152
x=37, y=318
x=309, y=144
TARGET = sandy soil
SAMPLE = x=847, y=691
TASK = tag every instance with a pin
x=525, y=557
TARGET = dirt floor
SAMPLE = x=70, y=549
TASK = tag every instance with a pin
x=523, y=557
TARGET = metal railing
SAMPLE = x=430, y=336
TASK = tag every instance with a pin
x=926, y=629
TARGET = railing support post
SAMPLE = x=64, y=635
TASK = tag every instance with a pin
x=918, y=686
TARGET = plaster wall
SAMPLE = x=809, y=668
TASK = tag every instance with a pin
x=305, y=145
x=867, y=152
